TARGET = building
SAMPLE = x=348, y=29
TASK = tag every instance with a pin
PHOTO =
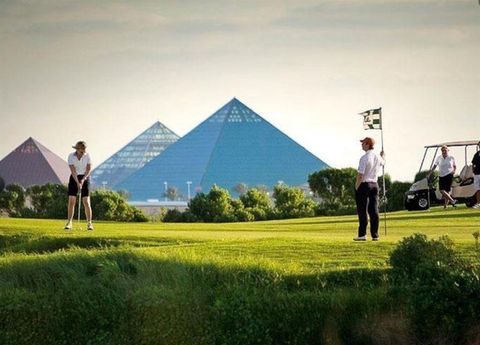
x=133, y=156
x=31, y=163
x=235, y=146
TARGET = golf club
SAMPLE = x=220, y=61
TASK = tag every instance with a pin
x=79, y=208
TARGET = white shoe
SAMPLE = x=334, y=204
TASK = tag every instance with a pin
x=68, y=226
x=360, y=238
x=89, y=226
x=375, y=239
x=476, y=205
x=454, y=203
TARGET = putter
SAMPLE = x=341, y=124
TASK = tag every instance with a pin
x=79, y=207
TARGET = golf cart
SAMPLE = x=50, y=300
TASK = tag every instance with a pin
x=425, y=193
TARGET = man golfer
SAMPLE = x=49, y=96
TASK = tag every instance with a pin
x=366, y=190
x=80, y=166
x=476, y=174
x=446, y=166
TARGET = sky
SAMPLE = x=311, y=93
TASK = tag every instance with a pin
x=104, y=71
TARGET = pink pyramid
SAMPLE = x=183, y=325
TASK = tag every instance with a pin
x=31, y=163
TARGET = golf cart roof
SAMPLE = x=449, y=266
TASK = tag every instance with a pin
x=455, y=143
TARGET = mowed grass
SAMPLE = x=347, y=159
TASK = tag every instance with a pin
x=301, y=245
x=301, y=281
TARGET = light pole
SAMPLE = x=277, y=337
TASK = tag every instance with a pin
x=188, y=188
x=166, y=187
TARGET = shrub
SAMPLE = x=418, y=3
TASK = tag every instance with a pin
x=139, y=216
x=243, y=215
x=256, y=198
x=216, y=206
x=176, y=216
x=109, y=205
x=48, y=201
x=291, y=203
x=416, y=250
x=334, y=186
x=12, y=200
x=334, y=209
x=172, y=216
x=442, y=291
x=396, y=195
x=198, y=205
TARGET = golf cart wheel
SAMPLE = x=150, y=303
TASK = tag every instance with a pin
x=422, y=203
x=471, y=201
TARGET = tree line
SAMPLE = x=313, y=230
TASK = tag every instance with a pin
x=333, y=194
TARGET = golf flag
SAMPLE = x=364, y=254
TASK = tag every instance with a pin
x=372, y=119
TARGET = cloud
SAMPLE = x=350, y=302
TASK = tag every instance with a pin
x=61, y=17
x=454, y=21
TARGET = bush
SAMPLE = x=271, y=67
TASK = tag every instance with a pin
x=109, y=205
x=243, y=215
x=139, y=216
x=256, y=198
x=334, y=187
x=48, y=201
x=12, y=200
x=260, y=213
x=172, y=216
x=216, y=206
x=396, y=195
x=176, y=216
x=257, y=203
x=442, y=291
x=417, y=250
x=291, y=203
x=334, y=209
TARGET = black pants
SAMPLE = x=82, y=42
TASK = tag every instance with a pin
x=73, y=188
x=366, y=198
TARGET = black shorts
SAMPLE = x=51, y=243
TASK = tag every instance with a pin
x=445, y=182
x=73, y=188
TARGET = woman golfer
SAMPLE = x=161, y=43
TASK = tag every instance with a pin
x=80, y=167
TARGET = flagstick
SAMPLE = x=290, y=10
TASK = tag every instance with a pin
x=383, y=178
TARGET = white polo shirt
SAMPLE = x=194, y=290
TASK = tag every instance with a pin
x=79, y=164
x=445, y=165
x=370, y=165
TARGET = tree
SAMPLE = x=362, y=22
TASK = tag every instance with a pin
x=216, y=206
x=336, y=189
x=241, y=188
x=172, y=193
x=256, y=198
x=291, y=202
x=12, y=200
x=262, y=188
x=396, y=195
x=49, y=200
x=109, y=205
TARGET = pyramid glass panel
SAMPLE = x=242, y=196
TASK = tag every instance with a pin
x=234, y=145
x=133, y=156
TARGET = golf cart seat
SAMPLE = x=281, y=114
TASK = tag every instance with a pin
x=466, y=175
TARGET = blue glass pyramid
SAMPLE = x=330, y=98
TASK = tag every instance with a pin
x=234, y=145
x=133, y=156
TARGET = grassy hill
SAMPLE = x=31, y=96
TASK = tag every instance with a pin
x=298, y=281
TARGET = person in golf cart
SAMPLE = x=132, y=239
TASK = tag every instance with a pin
x=79, y=183
x=476, y=174
x=446, y=165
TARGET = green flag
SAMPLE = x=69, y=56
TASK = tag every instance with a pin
x=372, y=119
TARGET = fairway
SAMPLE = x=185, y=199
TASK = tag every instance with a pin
x=301, y=281
x=302, y=245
